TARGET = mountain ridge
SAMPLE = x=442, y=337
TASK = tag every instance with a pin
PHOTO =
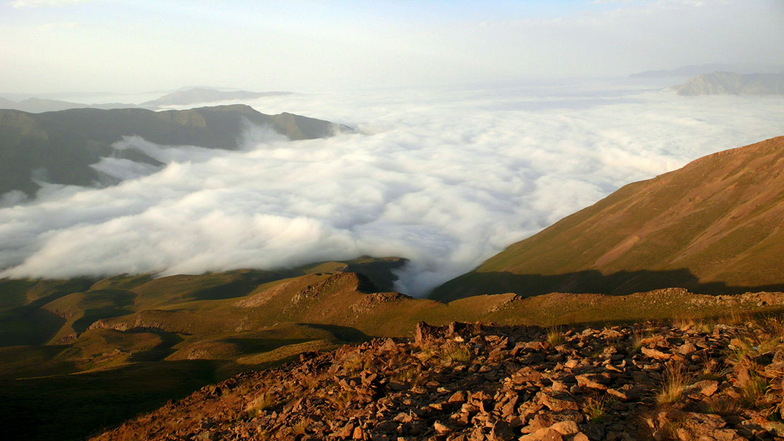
x=59, y=147
x=730, y=83
x=202, y=95
x=711, y=225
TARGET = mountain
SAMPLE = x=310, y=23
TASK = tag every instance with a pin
x=692, y=70
x=713, y=226
x=59, y=147
x=81, y=355
x=39, y=105
x=202, y=95
x=729, y=83
x=469, y=381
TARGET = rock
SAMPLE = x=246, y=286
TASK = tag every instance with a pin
x=424, y=332
x=346, y=432
x=458, y=397
x=655, y=354
x=589, y=382
x=387, y=389
x=618, y=394
x=545, y=434
x=557, y=404
x=706, y=387
x=705, y=427
x=441, y=429
x=403, y=417
x=566, y=427
x=501, y=431
x=687, y=348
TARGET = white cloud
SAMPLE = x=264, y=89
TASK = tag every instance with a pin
x=444, y=178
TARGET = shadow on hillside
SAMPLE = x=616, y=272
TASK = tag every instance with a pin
x=342, y=333
x=161, y=350
x=28, y=324
x=380, y=272
x=72, y=407
x=620, y=283
x=240, y=287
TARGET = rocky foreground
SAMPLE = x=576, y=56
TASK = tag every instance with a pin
x=686, y=381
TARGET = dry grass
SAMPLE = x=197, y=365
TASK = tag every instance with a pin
x=596, y=408
x=753, y=391
x=762, y=335
x=737, y=318
x=723, y=407
x=698, y=324
x=555, y=336
x=674, y=381
x=453, y=352
x=260, y=403
x=353, y=364
x=711, y=370
x=637, y=340
x=342, y=398
x=300, y=428
x=411, y=375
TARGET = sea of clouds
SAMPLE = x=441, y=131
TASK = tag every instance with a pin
x=445, y=178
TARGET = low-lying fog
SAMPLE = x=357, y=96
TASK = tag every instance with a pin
x=445, y=178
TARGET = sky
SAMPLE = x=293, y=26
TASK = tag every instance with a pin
x=62, y=46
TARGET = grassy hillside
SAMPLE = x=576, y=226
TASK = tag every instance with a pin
x=713, y=226
x=81, y=355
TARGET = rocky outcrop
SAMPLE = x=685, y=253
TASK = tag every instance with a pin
x=479, y=382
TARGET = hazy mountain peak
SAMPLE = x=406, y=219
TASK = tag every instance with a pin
x=730, y=83
x=204, y=95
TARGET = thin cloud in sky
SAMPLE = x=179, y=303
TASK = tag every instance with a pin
x=320, y=46
x=45, y=3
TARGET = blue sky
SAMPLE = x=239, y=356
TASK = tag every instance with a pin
x=134, y=46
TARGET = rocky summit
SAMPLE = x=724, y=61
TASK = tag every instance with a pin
x=686, y=380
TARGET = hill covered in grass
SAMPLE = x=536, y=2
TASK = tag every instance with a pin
x=82, y=355
x=59, y=147
x=713, y=226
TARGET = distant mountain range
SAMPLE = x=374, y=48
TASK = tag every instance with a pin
x=713, y=226
x=184, y=97
x=38, y=105
x=729, y=83
x=203, y=95
x=699, y=69
x=59, y=147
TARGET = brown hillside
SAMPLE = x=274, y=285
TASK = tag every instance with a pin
x=711, y=226
x=475, y=382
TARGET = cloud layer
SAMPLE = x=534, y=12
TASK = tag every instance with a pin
x=444, y=178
